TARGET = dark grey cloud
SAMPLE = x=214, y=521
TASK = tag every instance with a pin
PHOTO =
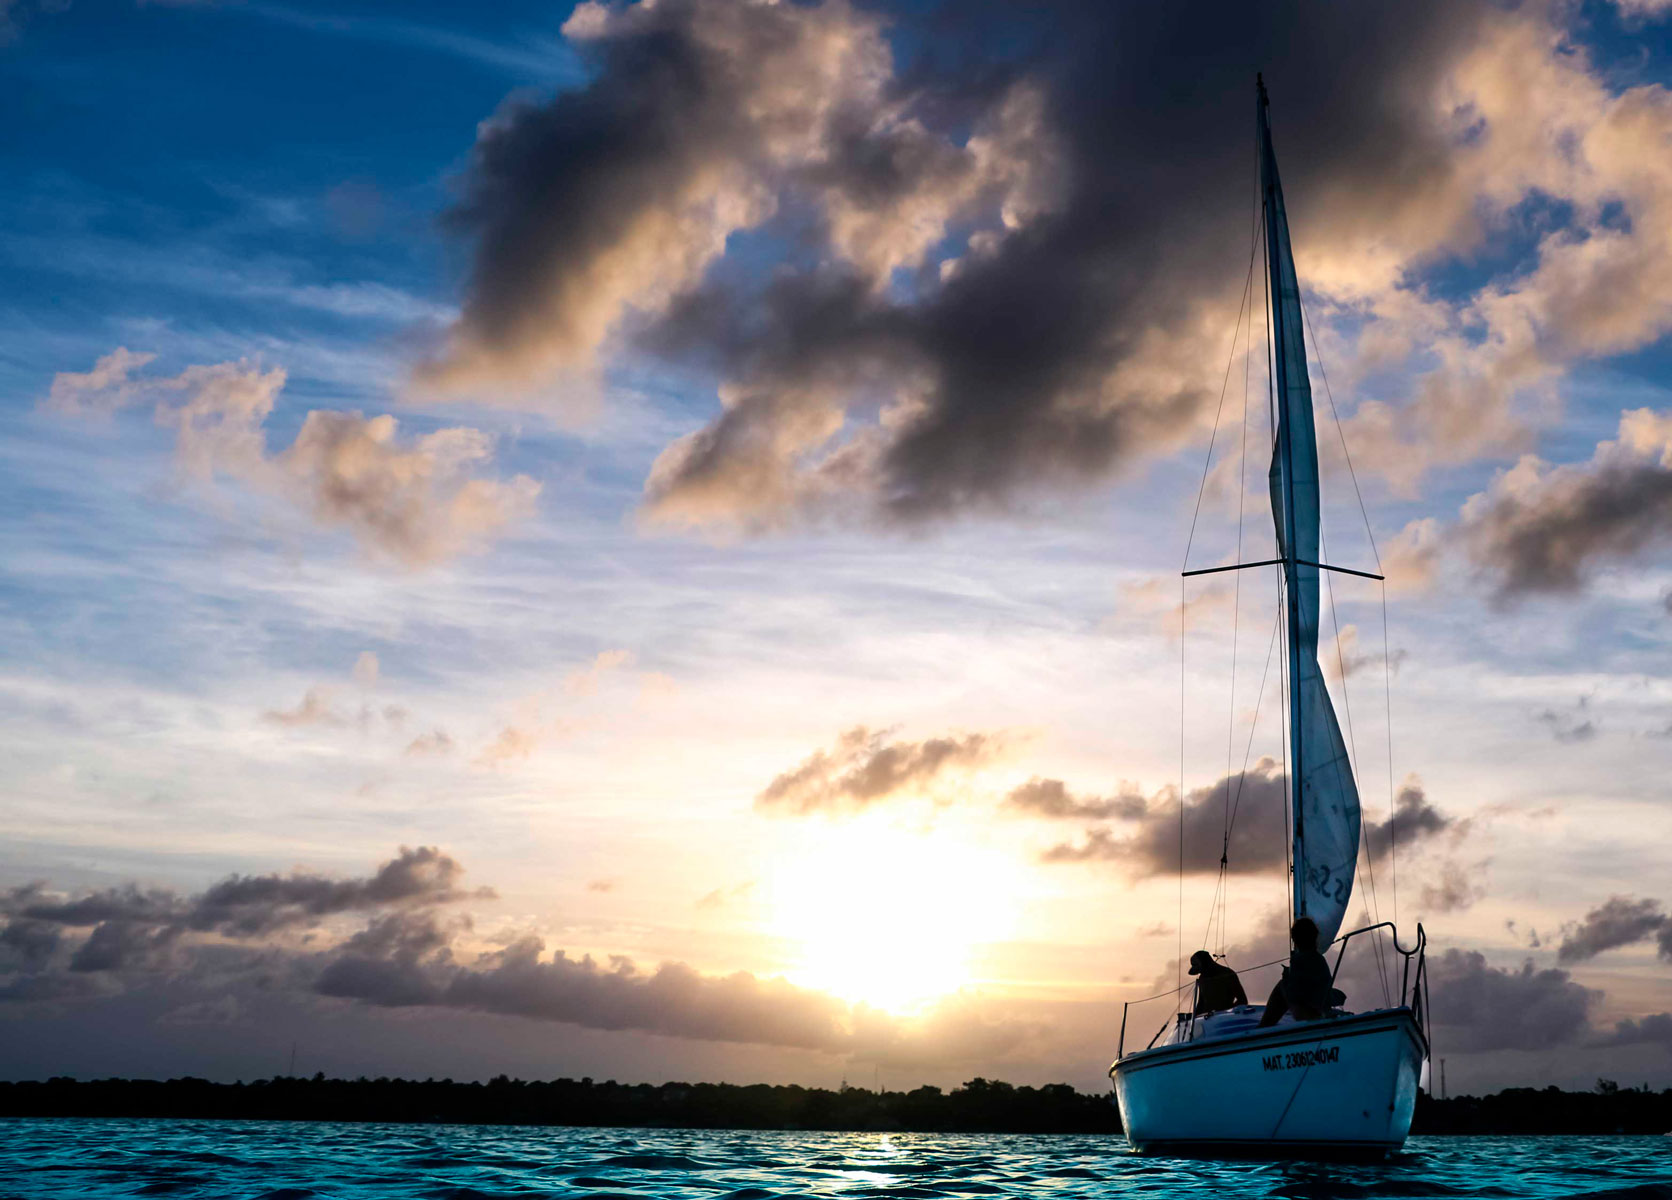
x=615, y=196
x=1148, y=842
x=1547, y=529
x=866, y=767
x=1620, y=921
x=252, y=904
x=1480, y=1007
x=1413, y=820
x=128, y=903
x=1453, y=890
x=1051, y=798
x=116, y=945
x=1570, y=727
x=1654, y=1029
x=1087, y=198
x=1252, y=805
x=134, y=928
x=28, y=944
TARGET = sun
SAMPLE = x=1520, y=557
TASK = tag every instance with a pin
x=888, y=917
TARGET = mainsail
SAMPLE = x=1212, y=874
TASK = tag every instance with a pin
x=1323, y=799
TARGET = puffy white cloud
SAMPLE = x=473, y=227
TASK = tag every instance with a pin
x=413, y=502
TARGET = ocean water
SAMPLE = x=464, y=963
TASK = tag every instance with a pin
x=301, y=1161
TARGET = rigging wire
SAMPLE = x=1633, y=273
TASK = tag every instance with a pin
x=1242, y=778
x=1347, y=704
x=1352, y=749
x=1222, y=888
x=1190, y=541
x=1387, y=661
x=1220, y=885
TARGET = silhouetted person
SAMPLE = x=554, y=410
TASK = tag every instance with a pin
x=1305, y=988
x=1217, y=986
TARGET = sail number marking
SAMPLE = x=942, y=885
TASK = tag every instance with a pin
x=1301, y=1058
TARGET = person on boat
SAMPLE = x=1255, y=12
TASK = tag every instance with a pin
x=1306, y=987
x=1217, y=986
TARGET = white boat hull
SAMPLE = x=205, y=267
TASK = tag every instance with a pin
x=1345, y=1087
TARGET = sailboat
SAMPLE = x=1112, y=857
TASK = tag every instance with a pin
x=1344, y=1085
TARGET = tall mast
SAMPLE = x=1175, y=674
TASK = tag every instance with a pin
x=1289, y=361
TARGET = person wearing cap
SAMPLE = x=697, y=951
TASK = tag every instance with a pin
x=1306, y=988
x=1217, y=986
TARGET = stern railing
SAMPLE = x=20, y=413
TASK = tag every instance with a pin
x=1413, y=983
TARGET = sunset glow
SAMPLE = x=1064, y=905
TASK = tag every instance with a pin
x=890, y=918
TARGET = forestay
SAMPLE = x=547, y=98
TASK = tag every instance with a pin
x=1323, y=797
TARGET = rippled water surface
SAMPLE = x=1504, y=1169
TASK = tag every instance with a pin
x=295, y=1161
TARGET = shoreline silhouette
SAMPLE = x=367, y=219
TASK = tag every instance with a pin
x=979, y=1106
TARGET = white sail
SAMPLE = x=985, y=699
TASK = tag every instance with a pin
x=1324, y=800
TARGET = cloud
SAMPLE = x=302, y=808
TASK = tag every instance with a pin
x=1160, y=602
x=1347, y=659
x=865, y=768
x=584, y=681
x=984, y=284
x=313, y=709
x=1051, y=798
x=28, y=944
x=1453, y=890
x=366, y=669
x=436, y=741
x=1252, y=803
x=522, y=980
x=132, y=928
x=704, y=118
x=1544, y=126
x=1411, y=561
x=1413, y=819
x=416, y=504
x=1620, y=921
x=720, y=897
x=406, y=960
x=513, y=744
x=1544, y=529
x=413, y=503
x=1644, y=10
x=108, y=387
x=1478, y=1007
x=1570, y=727
x=1654, y=1029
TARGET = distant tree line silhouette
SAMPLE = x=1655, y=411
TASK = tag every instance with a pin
x=1609, y=1108
x=980, y=1106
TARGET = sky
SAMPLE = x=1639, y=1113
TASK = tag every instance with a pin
x=643, y=540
